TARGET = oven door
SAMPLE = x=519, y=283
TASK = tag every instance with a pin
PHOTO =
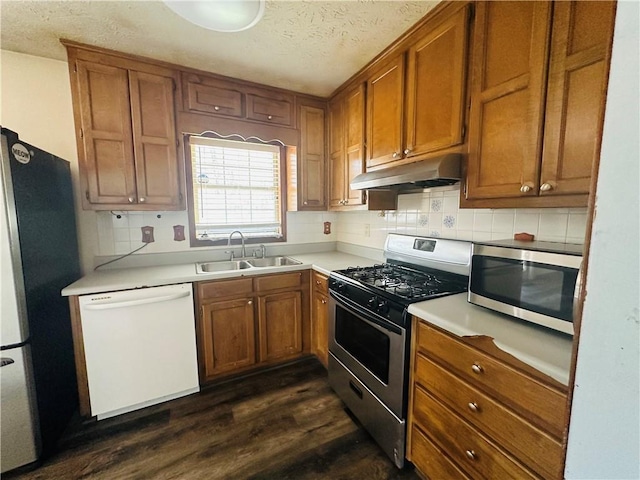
x=372, y=348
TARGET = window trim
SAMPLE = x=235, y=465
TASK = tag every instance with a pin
x=198, y=242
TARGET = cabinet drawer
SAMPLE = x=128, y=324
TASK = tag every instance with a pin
x=212, y=96
x=270, y=109
x=320, y=283
x=224, y=288
x=531, y=445
x=430, y=460
x=527, y=396
x=465, y=445
x=275, y=282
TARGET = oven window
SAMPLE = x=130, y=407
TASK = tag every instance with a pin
x=541, y=288
x=365, y=343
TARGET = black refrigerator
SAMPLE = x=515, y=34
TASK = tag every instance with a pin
x=39, y=257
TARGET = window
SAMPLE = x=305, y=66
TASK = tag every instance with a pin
x=235, y=185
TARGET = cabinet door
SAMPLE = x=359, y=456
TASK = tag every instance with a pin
x=320, y=318
x=508, y=82
x=276, y=109
x=107, y=160
x=228, y=336
x=385, y=97
x=210, y=95
x=436, y=73
x=312, y=164
x=337, y=172
x=354, y=142
x=154, y=139
x=576, y=94
x=280, y=325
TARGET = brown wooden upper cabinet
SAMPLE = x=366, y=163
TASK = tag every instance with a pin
x=538, y=88
x=415, y=100
x=125, y=122
x=311, y=178
x=346, y=127
x=212, y=95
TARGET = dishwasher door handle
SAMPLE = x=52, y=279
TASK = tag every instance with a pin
x=140, y=301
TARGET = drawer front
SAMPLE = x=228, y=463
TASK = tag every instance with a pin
x=430, y=460
x=320, y=283
x=211, y=96
x=531, y=445
x=224, y=288
x=465, y=446
x=270, y=110
x=531, y=399
x=276, y=282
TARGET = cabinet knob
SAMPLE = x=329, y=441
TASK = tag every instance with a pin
x=407, y=151
x=323, y=301
x=270, y=117
x=318, y=282
x=476, y=368
x=142, y=199
x=525, y=188
x=473, y=406
x=395, y=155
x=131, y=200
x=216, y=108
x=471, y=455
x=346, y=201
x=305, y=203
x=250, y=302
x=545, y=187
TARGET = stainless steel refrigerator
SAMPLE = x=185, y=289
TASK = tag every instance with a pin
x=39, y=257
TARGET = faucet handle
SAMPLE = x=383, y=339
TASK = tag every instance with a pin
x=231, y=255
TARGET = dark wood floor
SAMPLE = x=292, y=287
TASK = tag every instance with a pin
x=281, y=424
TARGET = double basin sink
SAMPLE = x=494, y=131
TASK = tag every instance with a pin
x=242, y=264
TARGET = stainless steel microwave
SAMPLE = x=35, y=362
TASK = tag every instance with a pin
x=534, y=281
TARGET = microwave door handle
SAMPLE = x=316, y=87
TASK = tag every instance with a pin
x=576, y=295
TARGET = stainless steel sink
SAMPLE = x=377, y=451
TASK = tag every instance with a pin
x=209, y=267
x=272, y=262
x=226, y=266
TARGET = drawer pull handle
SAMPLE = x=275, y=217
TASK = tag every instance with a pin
x=355, y=389
x=476, y=368
x=473, y=406
x=471, y=455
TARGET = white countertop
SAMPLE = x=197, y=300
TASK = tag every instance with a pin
x=543, y=349
x=114, y=279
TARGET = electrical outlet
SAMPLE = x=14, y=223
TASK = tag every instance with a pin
x=327, y=228
x=147, y=234
x=178, y=233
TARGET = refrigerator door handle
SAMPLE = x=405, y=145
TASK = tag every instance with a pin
x=141, y=301
x=4, y=361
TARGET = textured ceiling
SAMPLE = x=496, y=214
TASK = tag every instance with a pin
x=309, y=46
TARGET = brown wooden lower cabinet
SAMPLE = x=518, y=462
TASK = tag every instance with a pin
x=320, y=317
x=249, y=322
x=465, y=424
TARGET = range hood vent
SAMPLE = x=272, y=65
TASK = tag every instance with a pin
x=434, y=172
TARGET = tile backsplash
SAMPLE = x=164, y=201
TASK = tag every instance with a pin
x=433, y=213
x=437, y=213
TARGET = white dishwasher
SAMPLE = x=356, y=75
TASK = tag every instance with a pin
x=140, y=347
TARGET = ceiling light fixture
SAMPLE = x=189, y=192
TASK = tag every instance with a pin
x=219, y=15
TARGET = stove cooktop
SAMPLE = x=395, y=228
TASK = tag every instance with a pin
x=406, y=284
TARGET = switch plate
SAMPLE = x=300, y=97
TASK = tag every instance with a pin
x=147, y=234
x=178, y=233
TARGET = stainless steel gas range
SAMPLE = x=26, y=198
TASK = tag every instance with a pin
x=369, y=328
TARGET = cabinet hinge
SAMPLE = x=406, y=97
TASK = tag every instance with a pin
x=86, y=194
x=464, y=131
x=201, y=311
x=75, y=67
x=81, y=133
x=364, y=197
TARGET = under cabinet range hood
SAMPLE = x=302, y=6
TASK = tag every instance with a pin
x=433, y=172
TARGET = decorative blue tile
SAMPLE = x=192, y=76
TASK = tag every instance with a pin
x=435, y=233
x=449, y=221
x=423, y=220
x=436, y=205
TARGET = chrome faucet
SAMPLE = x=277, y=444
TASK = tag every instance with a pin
x=243, y=252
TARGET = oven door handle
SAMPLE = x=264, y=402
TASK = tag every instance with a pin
x=364, y=314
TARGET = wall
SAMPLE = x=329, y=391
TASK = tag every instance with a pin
x=604, y=437
x=35, y=101
x=436, y=213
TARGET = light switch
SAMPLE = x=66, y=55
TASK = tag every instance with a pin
x=178, y=233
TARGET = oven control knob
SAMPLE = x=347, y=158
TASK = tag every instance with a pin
x=340, y=287
x=383, y=307
x=373, y=303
